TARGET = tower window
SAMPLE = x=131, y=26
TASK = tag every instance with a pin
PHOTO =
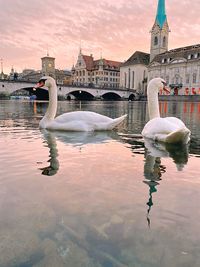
x=155, y=40
x=164, y=41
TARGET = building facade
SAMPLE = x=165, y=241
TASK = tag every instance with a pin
x=98, y=73
x=134, y=72
x=180, y=67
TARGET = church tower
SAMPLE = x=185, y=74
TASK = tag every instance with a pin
x=48, y=66
x=159, y=32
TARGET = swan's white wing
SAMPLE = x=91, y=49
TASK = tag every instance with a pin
x=169, y=129
x=84, y=121
x=162, y=126
x=85, y=116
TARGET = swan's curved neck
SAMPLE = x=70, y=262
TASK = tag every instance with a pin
x=52, y=108
x=153, y=105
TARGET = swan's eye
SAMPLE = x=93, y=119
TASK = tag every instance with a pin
x=164, y=83
x=42, y=81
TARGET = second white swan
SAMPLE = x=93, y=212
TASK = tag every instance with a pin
x=72, y=121
x=169, y=129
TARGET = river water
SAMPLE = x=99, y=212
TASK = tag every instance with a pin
x=97, y=199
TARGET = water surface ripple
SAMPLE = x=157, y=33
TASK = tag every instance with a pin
x=97, y=199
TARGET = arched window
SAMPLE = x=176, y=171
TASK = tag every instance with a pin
x=164, y=41
x=129, y=78
x=133, y=79
x=155, y=40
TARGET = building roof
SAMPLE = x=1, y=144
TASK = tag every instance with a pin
x=161, y=14
x=107, y=63
x=138, y=57
x=94, y=64
x=89, y=62
x=191, y=52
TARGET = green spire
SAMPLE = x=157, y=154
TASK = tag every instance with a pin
x=161, y=14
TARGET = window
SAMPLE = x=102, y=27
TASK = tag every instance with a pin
x=155, y=40
x=133, y=78
x=187, y=80
x=194, y=77
x=164, y=41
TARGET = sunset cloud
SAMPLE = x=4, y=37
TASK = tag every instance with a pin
x=115, y=28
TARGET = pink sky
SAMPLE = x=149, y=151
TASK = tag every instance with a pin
x=115, y=27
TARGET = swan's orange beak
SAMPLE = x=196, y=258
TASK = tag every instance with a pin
x=166, y=90
x=40, y=84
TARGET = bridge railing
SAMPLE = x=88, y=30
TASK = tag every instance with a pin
x=79, y=86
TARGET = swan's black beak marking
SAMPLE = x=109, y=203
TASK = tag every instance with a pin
x=165, y=88
x=40, y=84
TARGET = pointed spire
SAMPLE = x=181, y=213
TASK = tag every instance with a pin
x=80, y=48
x=161, y=14
x=1, y=65
x=101, y=59
x=47, y=51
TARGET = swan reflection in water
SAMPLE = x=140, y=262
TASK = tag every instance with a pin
x=153, y=169
x=76, y=139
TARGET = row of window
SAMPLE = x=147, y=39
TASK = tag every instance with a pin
x=163, y=41
x=190, y=56
x=178, y=79
x=114, y=80
x=106, y=73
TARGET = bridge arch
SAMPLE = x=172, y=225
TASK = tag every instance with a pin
x=81, y=95
x=111, y=96
x=132, y=97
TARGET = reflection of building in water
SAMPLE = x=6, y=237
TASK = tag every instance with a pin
x=53, y=154
x=188, y=111
x=153, y=169
x=152, y=172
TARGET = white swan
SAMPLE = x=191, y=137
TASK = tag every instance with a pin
x=169, y=129
x=72, y=121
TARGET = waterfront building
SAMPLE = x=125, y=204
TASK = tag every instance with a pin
x=180, y=67
x=99, y=73
x=134, y=72
x=48, y=68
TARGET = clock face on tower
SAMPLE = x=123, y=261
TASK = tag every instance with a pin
x=50, y=65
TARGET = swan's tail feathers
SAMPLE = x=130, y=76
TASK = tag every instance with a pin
x=116, y=122
x=179, y=136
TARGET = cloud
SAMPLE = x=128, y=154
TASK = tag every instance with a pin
x=117, y=28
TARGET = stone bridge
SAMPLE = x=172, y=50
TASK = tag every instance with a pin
x=68, y=92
